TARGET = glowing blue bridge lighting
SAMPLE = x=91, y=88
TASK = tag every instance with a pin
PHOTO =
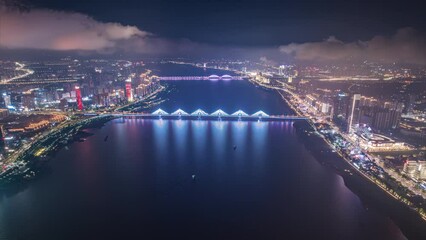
x=211, y=78
x=160, y=112
x=180, y=112
x=218, y=114
x=260, y=114
x=199, y=112
x=239, y=113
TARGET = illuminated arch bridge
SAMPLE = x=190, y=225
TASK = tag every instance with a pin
x=211, y=78
x=218, y=114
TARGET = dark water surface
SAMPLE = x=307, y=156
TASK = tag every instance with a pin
x=138, y=184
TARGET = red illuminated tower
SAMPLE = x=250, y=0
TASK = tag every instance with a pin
x=78, y=96
x=129, y=93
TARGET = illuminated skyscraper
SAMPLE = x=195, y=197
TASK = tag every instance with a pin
x=6, y=99
x=409, y=108
x=129, y=94
x=341, y=106
x=78, y=96
x=354, y=112
x=280, y=70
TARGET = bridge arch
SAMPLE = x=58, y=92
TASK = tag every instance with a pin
x=226, y=77
x=160, y=112
x=214, y=77
x=260, y=114
x=240, y=113
x=199, y=112
x=180, y=112
x=219, y=113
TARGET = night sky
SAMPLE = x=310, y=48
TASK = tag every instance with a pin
x=253, y=22
x=327, y=30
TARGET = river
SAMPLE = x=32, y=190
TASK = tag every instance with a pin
x=138, y=184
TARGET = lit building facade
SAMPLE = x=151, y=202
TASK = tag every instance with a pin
x=415, y=169
x=79, y=98
x=354, y=113
x=129, y=94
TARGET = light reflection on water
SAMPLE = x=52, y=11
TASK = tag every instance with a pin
x=138, y=183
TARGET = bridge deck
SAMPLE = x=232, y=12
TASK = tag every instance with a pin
x=211, y=78
x=210, y=117
x=201, y=114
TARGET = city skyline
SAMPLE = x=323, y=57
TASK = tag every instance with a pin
x=212, y=119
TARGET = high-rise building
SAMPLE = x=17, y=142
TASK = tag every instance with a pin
x=341, y=106
x=129, y=94
x=2, y=105
x=101, y=99
x=378, y=115
x=326, y=108
x=4, y=112
x=385, y=119
x=6, y=99
x=409, y=106
x=2, y=133
x=28, y=100
x=368, y=101
x=280, y=70
x=415, y=168
x=78, y=97
x=63, y=103
x=354, y=111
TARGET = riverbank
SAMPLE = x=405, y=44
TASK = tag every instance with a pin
x=379, y=178
x=410, y=219
x=369, y=189
x=410, y=222
x=30, y=161
x=132, y=105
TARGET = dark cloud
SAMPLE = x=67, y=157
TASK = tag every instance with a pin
x=407, y=45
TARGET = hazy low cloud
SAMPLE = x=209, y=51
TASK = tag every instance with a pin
x=406, y=45
x=55, y=30
x=265, y=60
